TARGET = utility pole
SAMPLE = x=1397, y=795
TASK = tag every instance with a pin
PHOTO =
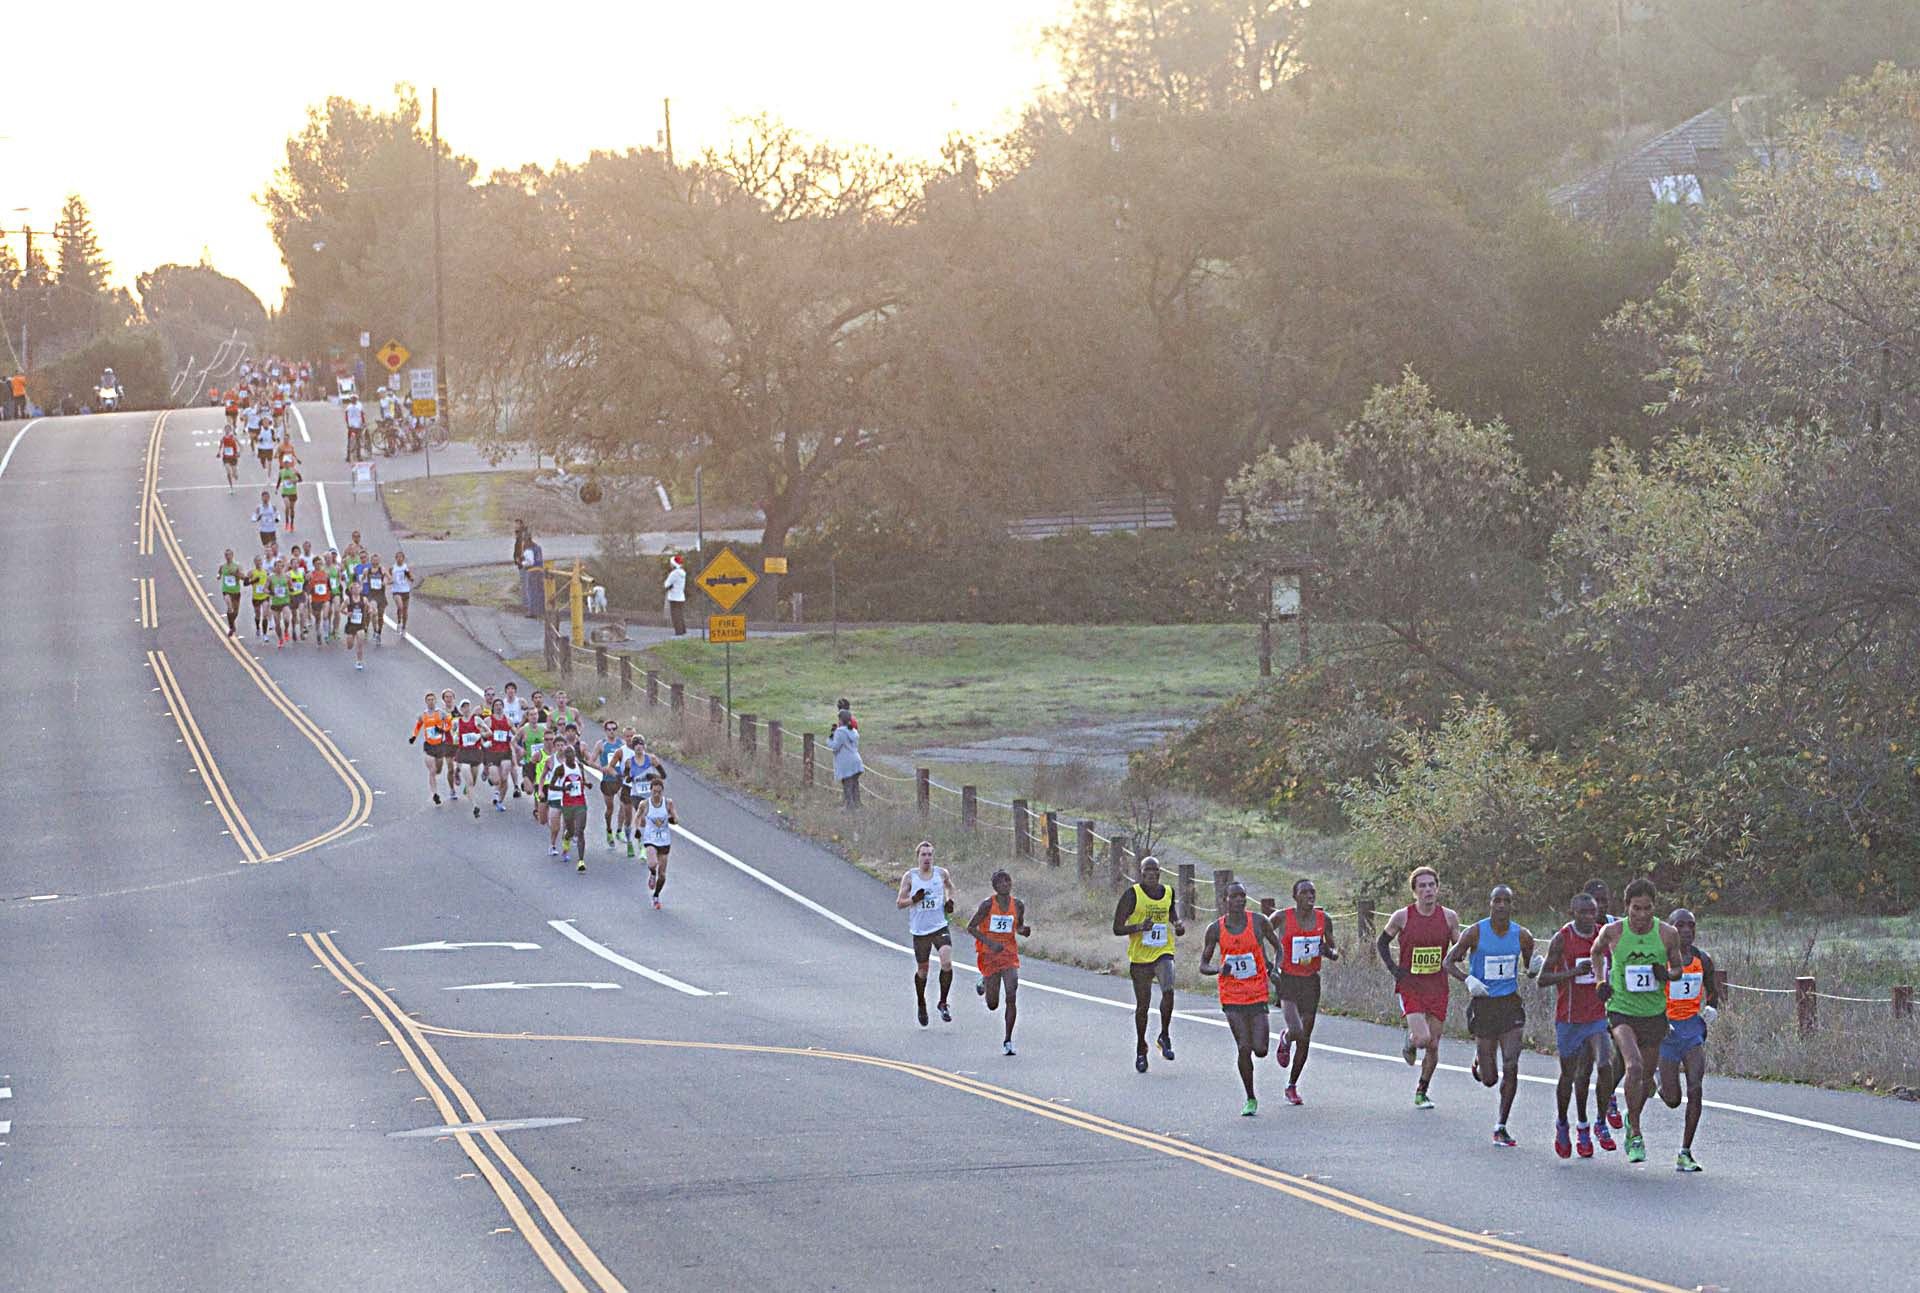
x=439, y=293
x=666, y=113
x=26, y=306
x=1620, y=66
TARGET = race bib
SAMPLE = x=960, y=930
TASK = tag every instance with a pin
x=1154, y=936
x=229, y=583
x=1500, y=967
x=999, y=924
x=1426, y=960
x=1586, y=975
x=928, y=902
x=1239, y=966
x=1305, y=947
x=1638, y=978
x=376, y=584
x=1686, y=987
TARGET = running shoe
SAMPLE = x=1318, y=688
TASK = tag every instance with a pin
x=1502, y=1140
x=1476, y=1068
x=1140, y=1061
x=1421, y=1100
x=656, y=907
x=516, y=789
x=629, y=842
x=582, y=867
x=1584, y=1145
x=1166, y=1047
x=1409, y=1052
x=1613, y=1112
x=946, y=1015
x=436, y=797
x=1636, y=1148
x=609, y=839
x=1604, y=1137
x=1250, y=1108
x=923, y=1014
x=1007, y=1049
x=499, y=807
x=476, y=812
x=1685, y=1163
x=1283, y=1050
x=359, y=664
x=552, y=852
x=980, y=987
x=1293, y=1096
x=1563, y=1140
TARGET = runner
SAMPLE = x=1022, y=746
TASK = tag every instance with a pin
x=928, y=890
x=402, y=578
x=546, y=794
x=1242, y=980
x=657, y=820
x=1425, y=930
x=570, y=777
x=289, y=491
x=266, y=519
x=433, y=725
x=1607, y=1070
x=636, y=769
x=320, y=593
x=297, y=593
x=533, y=744
x=1306, y=936
x=468, y=736
x=499, y=753
x=354, y=615
x=229, y=452
x=1496, y=950
x=279, y=594
x=231, y=580
x=260, y=581
x=610, y=755
x=1643, y=952
x=1146, y=918
x=1579, y=1023
x=377, y=595
x=260, y=431
x=997, y=927
x=1693, y=1001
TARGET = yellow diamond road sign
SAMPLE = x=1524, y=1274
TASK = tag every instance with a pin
x=392, y=356
x=727, y=579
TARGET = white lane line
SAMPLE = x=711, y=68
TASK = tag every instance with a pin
x=6, y=1128
x=434, y=656
x=6, y=1093
x=443, y=945
x=302, y=422
x=326, y=517
x=518, y=987
x=608, y=954
x=794, y=895
x=15, y=443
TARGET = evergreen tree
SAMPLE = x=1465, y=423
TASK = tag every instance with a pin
x=80, y=264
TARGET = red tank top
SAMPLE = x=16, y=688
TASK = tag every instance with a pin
x=1424, y=941
x=502, y=734
x=469, y=734
x=1243, y=965
x=1297, y=938
x=1004, y=924
x=1578, y=1000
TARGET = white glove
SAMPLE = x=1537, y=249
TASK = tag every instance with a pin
x=1709, y=1014
x=1475, y=988
x=1539, y=963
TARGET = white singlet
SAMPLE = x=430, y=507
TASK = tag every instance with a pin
x=929, y=915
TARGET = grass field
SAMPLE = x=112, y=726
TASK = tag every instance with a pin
x=484, y=504
x=476, y=585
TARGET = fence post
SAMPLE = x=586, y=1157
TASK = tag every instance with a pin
x=565, y=644
x=806, y=758
x=546, y=646
x=1083, y=845
x=1903, y=1001
x=1053, y=837
x=1363, y=920
x=713, y=712
x=626, y=674
x=1266, y=906
x=599, y=660
x=1806, y=1005
x=1300, y=618
x=1221, y=879
x=1117, y=861
x=1266, y=647
x=1022, y=838
x=653, y=688
x=1183, y=887
x=969, y=808
x=677, y=696
x=1721, y=992
x=923, y=791
x=773, y=740
x=747, y=732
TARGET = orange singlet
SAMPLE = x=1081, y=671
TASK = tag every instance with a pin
x=1004, y=924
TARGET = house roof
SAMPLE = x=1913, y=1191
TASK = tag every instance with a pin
x=1705, y=145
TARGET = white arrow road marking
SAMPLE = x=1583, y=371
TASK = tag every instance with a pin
x=608, y=954
x=444, y=946
x=519, y=987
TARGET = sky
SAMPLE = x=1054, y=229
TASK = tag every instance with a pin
x=177, y=117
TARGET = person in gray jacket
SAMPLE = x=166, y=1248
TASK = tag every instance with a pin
x=844, y=741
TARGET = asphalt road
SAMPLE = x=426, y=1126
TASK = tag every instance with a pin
x=210, y=1051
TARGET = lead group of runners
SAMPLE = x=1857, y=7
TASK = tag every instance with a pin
x=1632, y=998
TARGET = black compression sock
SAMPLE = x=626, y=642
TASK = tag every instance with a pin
x=920, y=989
x=1300, y=1046
x=946, y=981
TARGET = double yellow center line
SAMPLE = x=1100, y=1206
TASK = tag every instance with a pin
x=149, y=607
x=223, y=801
x=586, y=1272
x=154, y=523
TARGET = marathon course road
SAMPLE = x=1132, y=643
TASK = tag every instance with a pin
x=255, y=985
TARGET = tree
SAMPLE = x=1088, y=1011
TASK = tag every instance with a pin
x=79, y=264
x=1172, y=56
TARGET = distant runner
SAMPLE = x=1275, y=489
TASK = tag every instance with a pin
x=231, y=582
x=432, y=724
x=657, y=820
x=1693, y=1001
x=998, y=925
x=1579, y=1023
x=1607, y=1070
x=1497, y=951
x=926, y=894
x=1241, y=938
x=1425, y=930
x=1146, y=918
x=1306, y=936
x=1644, y=954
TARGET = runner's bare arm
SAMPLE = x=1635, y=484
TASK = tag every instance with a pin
x=905, y=896
x=1384, y=944
x=1020, y=908
x=1208, y=948
x=1327, y=949
x=1554, y=973
x=976, y=925
x=1462, y=945
x=1122, y=910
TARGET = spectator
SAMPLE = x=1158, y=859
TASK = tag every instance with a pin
x=18, y=389
x=521, y=537
x=846, y=714
x=532, y=559
x=676, y=587
x=844, y=741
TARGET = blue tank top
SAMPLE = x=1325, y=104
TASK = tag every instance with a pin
x=1495, y=959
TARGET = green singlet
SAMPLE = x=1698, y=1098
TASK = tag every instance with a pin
x=1635, y=991
x=279, y=586
x=535, y=737
x=289, y=482
x=230, y=579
